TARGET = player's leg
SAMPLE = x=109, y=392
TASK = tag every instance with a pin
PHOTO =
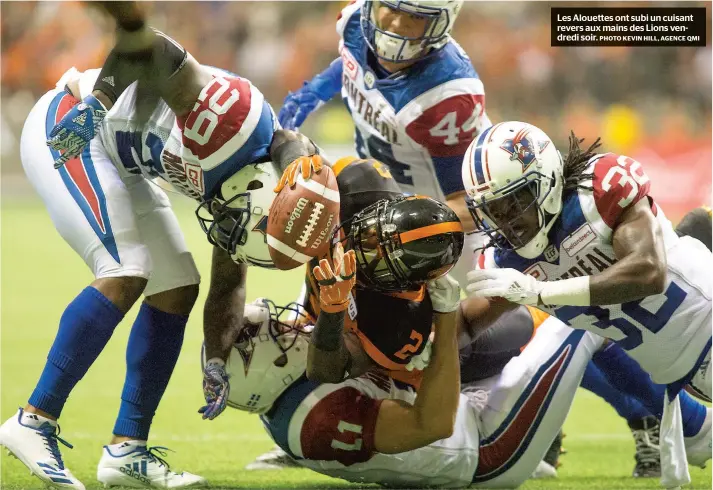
x=626, y=375
x=90, y=207
x=526, y=405
x=643, y=424
x=154, y=346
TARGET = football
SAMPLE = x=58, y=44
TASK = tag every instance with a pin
x=302, y=218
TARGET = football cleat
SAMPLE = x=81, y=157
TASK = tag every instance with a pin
x=699, y=447
x=132, y=464
x=33, y=440
x=547, y=468
x=648, y=455
x=275, y=459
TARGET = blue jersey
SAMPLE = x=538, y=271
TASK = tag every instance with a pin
x=419, y=121
x=230, y=126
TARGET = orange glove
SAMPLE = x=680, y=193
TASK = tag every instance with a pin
x=306, y=165
x=334, y=291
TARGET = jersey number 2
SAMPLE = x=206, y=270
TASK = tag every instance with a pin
x=410, y=348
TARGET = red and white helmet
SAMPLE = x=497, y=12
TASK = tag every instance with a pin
x=269, y=355
x=439, y=14
x=499, y=166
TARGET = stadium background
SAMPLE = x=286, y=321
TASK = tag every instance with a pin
x=653, y=104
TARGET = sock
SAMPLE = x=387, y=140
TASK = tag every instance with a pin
x=626, y=375
x=84, y=329
x=151, y=354
x=627, y=407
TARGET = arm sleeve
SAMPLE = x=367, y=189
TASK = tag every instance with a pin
x=329, y=82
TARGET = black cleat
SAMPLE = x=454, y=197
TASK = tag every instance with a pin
x=648, y=456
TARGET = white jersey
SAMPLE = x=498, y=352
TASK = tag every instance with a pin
x=419, y=122
x=668, y=334
x=230, y=126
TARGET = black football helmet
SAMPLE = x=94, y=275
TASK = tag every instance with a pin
x=403, y=242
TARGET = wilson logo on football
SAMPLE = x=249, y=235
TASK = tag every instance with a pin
x=296, y=213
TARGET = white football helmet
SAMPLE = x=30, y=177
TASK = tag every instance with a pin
x=235, y=220
x=268, y=356
x=513, y=166
x=389, y=46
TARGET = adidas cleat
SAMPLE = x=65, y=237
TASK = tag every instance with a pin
x=132, y=464
x=33, y=440
x=275, y=459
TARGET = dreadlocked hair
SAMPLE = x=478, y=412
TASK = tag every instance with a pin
x=576, y=162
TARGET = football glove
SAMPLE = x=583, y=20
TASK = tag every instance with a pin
x=216, y=388
x=444, y=293
x=76, y=129
x=510, y=284
x=334, y=289
x=306, y=165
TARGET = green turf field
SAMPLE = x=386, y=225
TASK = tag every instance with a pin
x=41, y=274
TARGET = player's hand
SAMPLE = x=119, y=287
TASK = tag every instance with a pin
x=216, y=389
x=510, y=284
x=304, y=165
x=420, y=362
x=76, y=129
x=335, y=283
x=444, y=293
x=297, y=106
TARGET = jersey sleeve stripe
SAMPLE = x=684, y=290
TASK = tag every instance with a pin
x=285, y=249
x=428, y=231
x=376, y=355
x=236, y=142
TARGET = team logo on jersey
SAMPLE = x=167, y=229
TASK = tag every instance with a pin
x=551, y=253
x=537, y=272
x=369, y=79
x=522, y=147
x=245, y=343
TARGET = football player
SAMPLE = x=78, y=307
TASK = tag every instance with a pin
x=581, y=238
x=206, y=136
x=491, y=431
x=412, y=92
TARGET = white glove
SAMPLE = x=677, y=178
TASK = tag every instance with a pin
x=510, y=284
x=420, y=362
x=444, y=293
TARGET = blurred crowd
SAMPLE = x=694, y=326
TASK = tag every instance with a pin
x=653, y=98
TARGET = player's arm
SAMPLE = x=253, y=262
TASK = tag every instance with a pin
x=223, y=311
x=335, y=355
x=403, y=427
x=640, y=269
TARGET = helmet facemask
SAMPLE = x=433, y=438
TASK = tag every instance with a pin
x=387, y=259
x=224, y=223
x=393, y=47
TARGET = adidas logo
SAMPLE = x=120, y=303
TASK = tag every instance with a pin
x=136, y=470
x=55, y=474
x=109, y=80
x=80, y=119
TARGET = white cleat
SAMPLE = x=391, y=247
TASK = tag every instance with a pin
x=132, y=464
x=544, y=470
x=275, y=459
x=33, y=440
x=700, y=446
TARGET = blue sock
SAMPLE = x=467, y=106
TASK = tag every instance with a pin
x=626, y=406
x=626, y=375
x=84, y=329
x=154, y=345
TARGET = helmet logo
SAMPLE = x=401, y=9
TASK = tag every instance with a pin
x=261, y=227
x=245, y=344
x=522, y=148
